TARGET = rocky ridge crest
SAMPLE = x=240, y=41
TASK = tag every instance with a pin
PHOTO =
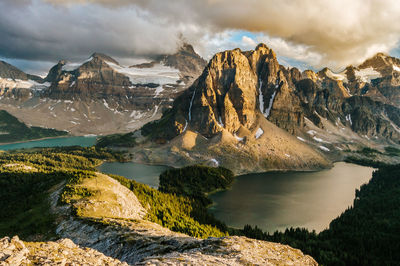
x=126, y=237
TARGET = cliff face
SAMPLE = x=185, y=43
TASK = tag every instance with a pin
x=236, y=86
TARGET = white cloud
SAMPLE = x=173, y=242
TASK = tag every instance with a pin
x=247, y=41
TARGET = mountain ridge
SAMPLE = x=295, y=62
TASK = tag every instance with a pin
x=99, y=95
x=241, y=97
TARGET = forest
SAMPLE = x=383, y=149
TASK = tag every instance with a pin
x=28, y=176
x=12, y=130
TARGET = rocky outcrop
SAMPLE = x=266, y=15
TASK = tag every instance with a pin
x=62, y=252
x=189, y=63
x=136, y=241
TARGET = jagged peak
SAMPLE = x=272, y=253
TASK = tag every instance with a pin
x=262, y=46
x=104, y=57
x=62, y=62
x=187, y=47
x=9, y=71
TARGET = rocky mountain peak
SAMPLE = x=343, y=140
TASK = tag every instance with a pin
x=382, y=63
x=186, y=47
x=234, y=88
x=10, y=71
x=186, y=60
x=103, y=57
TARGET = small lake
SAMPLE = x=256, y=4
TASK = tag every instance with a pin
x=146, y=174
x=278, y=200
x=84, y=141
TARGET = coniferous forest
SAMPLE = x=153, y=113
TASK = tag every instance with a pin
x=366, y=234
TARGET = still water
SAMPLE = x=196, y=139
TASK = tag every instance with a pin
x=272, y=200
x=146, y=174
x=84, y=141
x=277, y=200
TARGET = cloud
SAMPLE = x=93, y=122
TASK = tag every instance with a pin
x=49, y=32
x=323, y=32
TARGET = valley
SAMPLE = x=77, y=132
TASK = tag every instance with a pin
x=170, y=160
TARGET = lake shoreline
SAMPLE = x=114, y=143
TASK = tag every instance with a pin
x=64, y=141
x=237, y=196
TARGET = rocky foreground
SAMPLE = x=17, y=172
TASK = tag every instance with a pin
x=111, y=229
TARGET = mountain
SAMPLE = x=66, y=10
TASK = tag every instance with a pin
x=14, y=83
x=99, y=95
x=249, y=113
x=11, y=130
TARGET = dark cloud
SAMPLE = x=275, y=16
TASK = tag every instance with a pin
x=328, y=32
x=39, y=31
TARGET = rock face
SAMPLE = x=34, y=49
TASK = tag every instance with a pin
x=237, y=85
x=62, y=252
x=229, y=113
x=100, y=95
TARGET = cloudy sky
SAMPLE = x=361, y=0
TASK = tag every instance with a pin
x=305, y=33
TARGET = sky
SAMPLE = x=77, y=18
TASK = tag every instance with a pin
x=35, y=34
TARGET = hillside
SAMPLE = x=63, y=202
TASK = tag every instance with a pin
x=11, y=130
x=69, y=199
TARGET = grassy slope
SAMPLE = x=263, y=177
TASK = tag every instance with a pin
x=26, y=178
x=12, y=130
x=25, y=181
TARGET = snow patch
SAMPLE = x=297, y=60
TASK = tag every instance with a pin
x=158, y=74
x=261, y=97
x=186, y=124
x=73, y=66
x=159, y=89
x=259, y=133
x=136, y=114
x=220, y=121
x=336, y=76
x=301, y=139
x=396, y=68
x=271, y=101
x=348, y=118
x=324, y=148
x=214, y=161
x=311, y=132
x=156, y=109
x=367, y=74
x=318, y=139
x=190, y=105
x=7, y=83
x=238, y=138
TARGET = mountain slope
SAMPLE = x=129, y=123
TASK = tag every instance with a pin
x=219, y=119
x=98, y=95
x=235, y=111
x=13, y=130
